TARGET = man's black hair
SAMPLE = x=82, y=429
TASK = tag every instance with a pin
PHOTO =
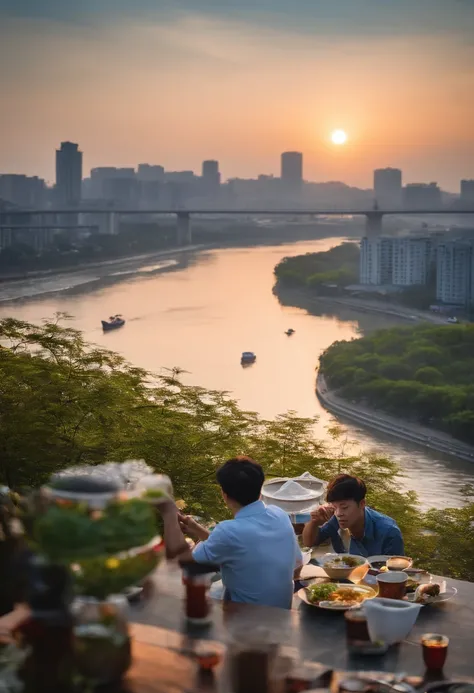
x=345, y=487
x=241, y=478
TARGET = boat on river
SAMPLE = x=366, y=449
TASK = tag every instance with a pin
x=290, y=332
x=114, y=322
x=248, y=357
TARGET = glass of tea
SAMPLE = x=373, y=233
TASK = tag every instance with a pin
x=392, y=585
x=435, y=650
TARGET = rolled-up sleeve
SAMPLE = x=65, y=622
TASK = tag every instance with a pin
x=216, y=549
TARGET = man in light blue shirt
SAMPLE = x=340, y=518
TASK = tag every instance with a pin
x=351, y=526
x=257, y=551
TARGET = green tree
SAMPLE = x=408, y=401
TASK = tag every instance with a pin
x=429, y=376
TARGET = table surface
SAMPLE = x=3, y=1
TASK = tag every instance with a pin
x=318, y=635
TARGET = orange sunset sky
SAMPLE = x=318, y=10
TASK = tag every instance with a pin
x=175, y=82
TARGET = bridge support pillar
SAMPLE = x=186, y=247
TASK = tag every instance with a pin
x=108, y=224
x=183, y=228
x=373, y=224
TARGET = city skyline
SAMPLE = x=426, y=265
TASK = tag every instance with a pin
x=178, y=83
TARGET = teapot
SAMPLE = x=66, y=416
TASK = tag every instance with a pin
x=390, y=620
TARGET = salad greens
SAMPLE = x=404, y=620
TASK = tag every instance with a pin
x=321, y=592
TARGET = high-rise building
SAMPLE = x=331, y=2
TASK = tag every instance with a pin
x=411, y=260
x=388, y=187
x=211, y=178
x=292, y=169
x=454, y=273
x=422, y=196
x=150, y=172
x=68, y=174
x=467, y=192
x=376, y=261
x=24, y=191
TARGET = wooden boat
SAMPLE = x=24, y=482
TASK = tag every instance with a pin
x=114, y=322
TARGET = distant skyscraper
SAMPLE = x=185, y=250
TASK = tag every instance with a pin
x=376, y=261
x=292, y=169
x=211, y=178
x=467, y=191
x=454, y=273
x=68, y=174
x=411, y=260
x=388, y=187
x=422, y=196
x=151, y=172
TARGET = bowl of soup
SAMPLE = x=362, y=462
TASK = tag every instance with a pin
x=344, y=566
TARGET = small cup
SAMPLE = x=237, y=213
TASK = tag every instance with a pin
x=392, y=585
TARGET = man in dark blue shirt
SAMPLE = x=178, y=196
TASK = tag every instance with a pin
x=351, y=526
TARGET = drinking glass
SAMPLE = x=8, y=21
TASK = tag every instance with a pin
x=435, y=650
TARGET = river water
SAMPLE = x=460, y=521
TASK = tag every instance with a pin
x=200, y=310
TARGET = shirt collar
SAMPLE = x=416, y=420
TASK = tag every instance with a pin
x=255, y=508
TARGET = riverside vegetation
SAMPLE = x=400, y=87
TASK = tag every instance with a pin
x=331, y=271
x=64, y=402
x=424, y=374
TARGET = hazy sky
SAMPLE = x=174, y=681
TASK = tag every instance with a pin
x=173, y=82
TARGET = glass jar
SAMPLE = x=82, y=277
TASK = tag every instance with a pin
x=102, y=645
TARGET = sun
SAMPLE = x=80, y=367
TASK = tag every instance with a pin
x=338, y=137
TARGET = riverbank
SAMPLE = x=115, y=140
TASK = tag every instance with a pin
x=301, y=298
x=131, y=259
x=391, y=425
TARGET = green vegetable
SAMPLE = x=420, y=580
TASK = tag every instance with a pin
x=321, y=592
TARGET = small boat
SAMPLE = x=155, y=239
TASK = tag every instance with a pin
x=290, y=332
x=248, y=357
x=115, y=321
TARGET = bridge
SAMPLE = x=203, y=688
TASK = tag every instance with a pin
x=374, y=216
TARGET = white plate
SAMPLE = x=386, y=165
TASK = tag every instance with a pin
x=380, y=559
x=332, y=606
x=445, y=596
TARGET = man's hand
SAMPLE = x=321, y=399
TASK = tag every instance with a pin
x=322, y=514
x=192, y=528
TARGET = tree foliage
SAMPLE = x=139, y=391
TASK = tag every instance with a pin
x=64, y=402
x=339, y=265
x=424, y=373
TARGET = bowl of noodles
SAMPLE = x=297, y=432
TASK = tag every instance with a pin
x=344, y=566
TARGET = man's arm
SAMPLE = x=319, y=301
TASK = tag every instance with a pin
x=175, y=543
x=393, y=543
x=313, y=532
x=192, y=528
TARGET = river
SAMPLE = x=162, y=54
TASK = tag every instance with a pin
x=200, y=310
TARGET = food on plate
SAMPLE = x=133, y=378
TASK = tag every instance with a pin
x=320, y=592
x=379, y=565
x=424, y=593
x=340, y=595
x=411, y=585
x=347, y=596
x=343, y=562
x=398, y=562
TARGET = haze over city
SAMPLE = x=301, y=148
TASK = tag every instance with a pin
x=178, y=82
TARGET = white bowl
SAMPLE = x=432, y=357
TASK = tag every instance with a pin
x=355, y=574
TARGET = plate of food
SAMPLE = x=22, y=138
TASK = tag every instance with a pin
x=431, y=593
x=336, y=596
x=384, y=563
